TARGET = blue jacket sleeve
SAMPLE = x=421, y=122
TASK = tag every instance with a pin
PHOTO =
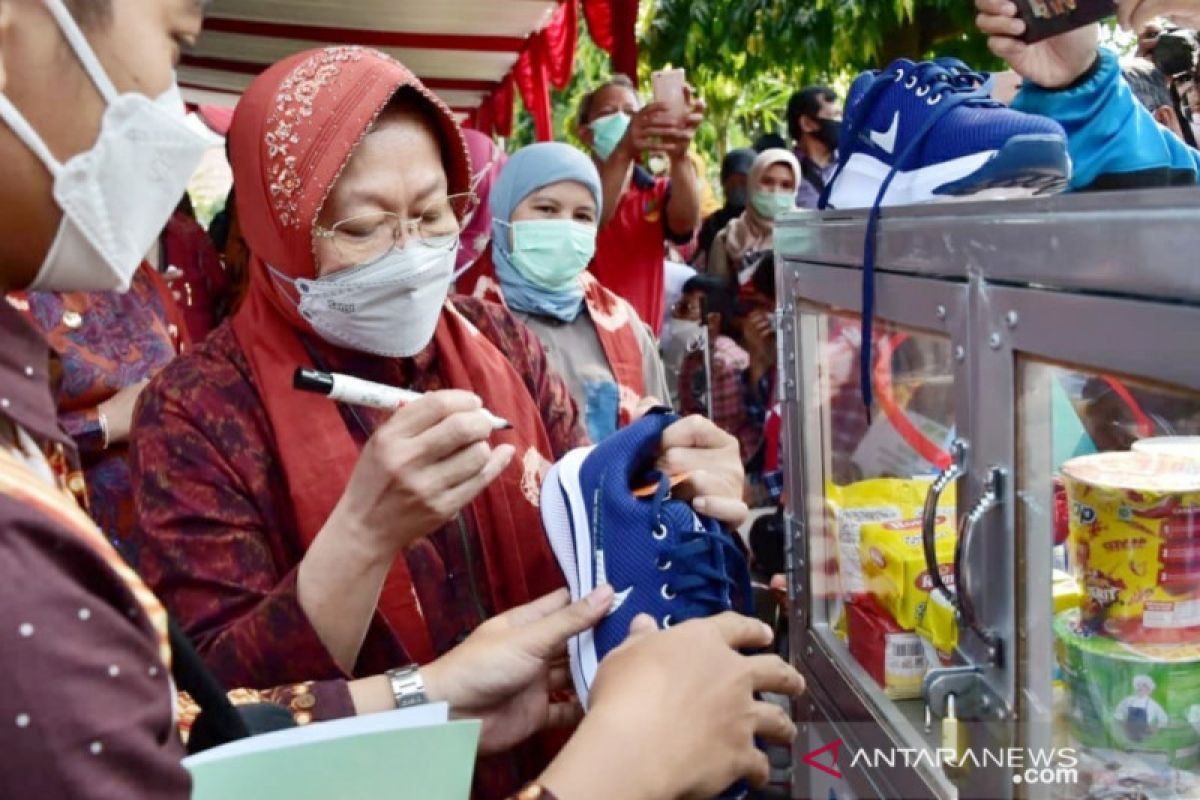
x=1113, y=140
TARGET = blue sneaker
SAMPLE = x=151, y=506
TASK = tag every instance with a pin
x=917, y=132
x=660, y=557
x=927, y=131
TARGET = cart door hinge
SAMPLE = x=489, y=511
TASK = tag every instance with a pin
x=784, y=323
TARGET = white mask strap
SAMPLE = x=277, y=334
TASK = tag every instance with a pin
x=83, y=50
x=25, y=132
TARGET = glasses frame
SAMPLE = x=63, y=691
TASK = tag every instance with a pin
x=411, y=226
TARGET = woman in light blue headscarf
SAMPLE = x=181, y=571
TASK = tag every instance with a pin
x=545, y=206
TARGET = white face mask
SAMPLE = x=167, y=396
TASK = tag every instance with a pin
x=116, y=197
x=389, y=307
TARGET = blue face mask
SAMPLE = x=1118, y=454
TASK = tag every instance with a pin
x=607, y=133
x=772, y=204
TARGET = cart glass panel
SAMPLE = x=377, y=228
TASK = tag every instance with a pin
x=865, y=485
x=1110, y=486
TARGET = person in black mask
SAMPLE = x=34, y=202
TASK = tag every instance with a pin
x=734, y=169
x=814, y=123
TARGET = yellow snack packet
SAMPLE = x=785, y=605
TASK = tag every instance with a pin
x=849, y=508
x=938, y=625
x=1067, y=594
x=893, y=563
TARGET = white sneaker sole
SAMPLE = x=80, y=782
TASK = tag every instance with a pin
x=862, y=176
x=561, y=518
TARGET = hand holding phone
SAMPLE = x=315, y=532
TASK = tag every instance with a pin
x=1050, y=63
x=1046, y=18
x=669, y=88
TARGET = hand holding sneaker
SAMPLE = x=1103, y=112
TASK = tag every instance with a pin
x=710, y=458
x=504, y=672
x=674, y=714
x=660, y=556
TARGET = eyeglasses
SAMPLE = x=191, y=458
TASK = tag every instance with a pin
x=367, y=237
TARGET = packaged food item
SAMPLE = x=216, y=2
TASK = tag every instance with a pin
x=1066, y=592
x=938, y=625
x=894, y=657
x=1132, y=698
x=1181, y=446
x=894, y=568
x=876, y=500
x=1134, y=518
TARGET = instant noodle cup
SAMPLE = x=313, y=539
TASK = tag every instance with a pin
x=1133, y=698
x=1180, y=446
x=1134, y=542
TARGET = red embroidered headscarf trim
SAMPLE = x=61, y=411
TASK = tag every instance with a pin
x=294, y=131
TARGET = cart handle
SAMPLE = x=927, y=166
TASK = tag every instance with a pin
x=992, y=497
x=955, y=469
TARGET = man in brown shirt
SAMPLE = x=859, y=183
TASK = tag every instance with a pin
x=88, y=706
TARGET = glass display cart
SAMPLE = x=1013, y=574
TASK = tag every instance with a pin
x=995, y=570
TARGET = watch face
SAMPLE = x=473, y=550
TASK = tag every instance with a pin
x=408, y=688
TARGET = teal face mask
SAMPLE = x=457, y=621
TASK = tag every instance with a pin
x=772, y=204
x=608, y=132
x=551, y=253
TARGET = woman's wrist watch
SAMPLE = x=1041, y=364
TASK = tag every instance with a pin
x=408, y=687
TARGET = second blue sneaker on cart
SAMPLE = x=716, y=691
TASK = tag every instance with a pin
x=660, y=557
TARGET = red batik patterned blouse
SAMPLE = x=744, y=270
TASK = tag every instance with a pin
x=104, y=342
x=218, y=540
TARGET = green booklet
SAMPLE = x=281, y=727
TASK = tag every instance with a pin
x=414, y=753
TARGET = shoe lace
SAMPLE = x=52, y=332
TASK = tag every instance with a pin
x=945, y=84
x=963, y=76
x=701, y=572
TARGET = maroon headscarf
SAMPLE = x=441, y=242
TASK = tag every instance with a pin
x=487, y=160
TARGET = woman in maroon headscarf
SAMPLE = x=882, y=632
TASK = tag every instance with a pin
x=295, y=538
x=487, y=161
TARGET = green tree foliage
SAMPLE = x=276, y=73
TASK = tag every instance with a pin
x=806, y=41
x=747, y=56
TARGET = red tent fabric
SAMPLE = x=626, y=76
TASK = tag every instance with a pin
x=612, y=25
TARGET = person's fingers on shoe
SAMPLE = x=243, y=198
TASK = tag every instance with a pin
x=724, y=509
x=564, y=715
x=641, y=625
x=546, y=636
x=558, y=679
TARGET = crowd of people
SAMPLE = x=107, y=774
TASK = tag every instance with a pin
x=175, y=516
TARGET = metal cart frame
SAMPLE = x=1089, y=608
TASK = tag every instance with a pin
x=1109, y=281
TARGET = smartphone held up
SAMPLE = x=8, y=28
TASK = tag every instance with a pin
x=670, y=89
x=1046, y=18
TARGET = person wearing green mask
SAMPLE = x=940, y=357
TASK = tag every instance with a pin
x=772, y=185
x=545, y=206
x=639, y=212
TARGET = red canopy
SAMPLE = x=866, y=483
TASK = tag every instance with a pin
x=476, y=54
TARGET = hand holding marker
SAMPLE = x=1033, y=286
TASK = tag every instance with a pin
x=356, y=391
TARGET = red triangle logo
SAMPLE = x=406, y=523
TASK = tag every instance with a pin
x=831, y=748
